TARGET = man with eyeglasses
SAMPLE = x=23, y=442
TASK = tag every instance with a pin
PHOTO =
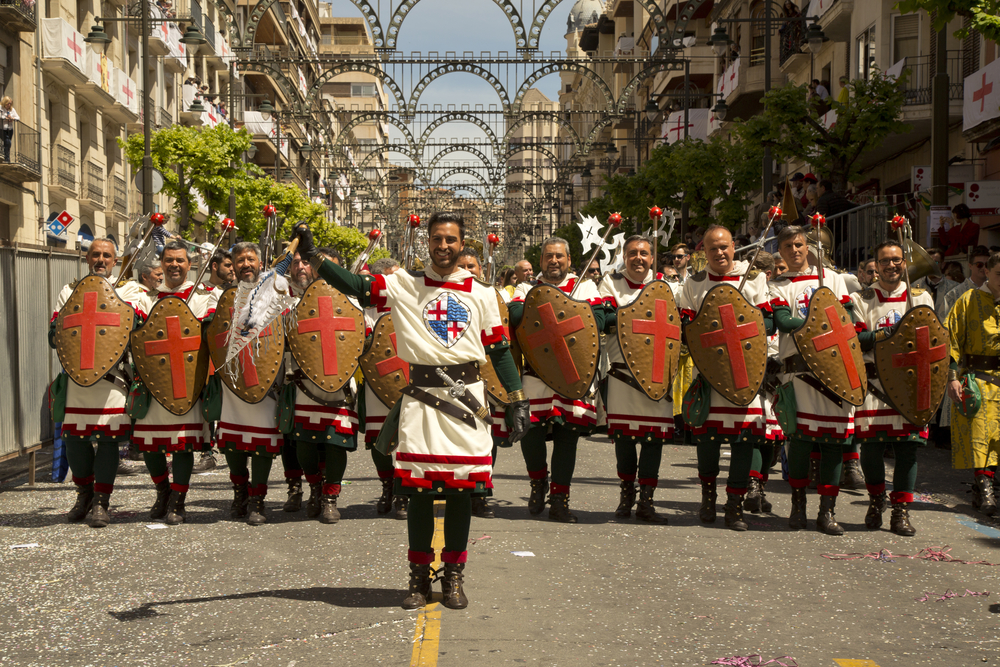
x=594, y=271
x=876, y=423
x=680, y=257
x=977, y=273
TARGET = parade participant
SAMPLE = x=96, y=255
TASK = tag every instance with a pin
x=565, y=418
x=978, y=259
x=325, y=425
x=220, y=270
x=975, y=352
x=764, y=456
x=150, y=277
x=742, y=427
x=680, y=255
x=160, y=432
x=248, y=432
x=95, y=424
x=446, y=323
x=879, y=308
x=593, y=271
x=376, y=410
x=634, y=420
x=524, y=272
x=818, y=419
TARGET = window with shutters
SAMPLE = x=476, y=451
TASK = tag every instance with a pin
x=905, y=37
x=970, y=49
x=362, y=90
x=865, y=50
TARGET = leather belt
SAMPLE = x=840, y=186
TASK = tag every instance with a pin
x=621, y=372
x=459, y=374
x=872, y=371
x=123, y=383
x=797, y=365
x=986, y=377
x=306, y=386
x=794, y=364
x=981, y=362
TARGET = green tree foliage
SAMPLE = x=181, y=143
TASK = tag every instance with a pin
x=793, y=126
x=983, y=15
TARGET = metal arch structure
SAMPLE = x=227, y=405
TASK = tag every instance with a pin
x=352, y=67
x=374, y=116
x=639, y=77
x=385, y=148
x=464, y=148
x=514, y=149
x=458, y=117
x=490, y=187
x=564, y=66
x=550, y=116
x=395, y=23
x=457, y=68
x=291, y=92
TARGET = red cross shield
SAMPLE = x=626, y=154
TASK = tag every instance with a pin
x=728, y=344
x=92, y=331
x=258, y=364
x=829, y=346
x=490, y=377
x=913, y=365
x=649, y=333
x=559, y=340
x=170, y=356
x=384, y=371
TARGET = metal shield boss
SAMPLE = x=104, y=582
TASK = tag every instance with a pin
x=92, y=331
x=728, y=344
x=493, y=385
x=913, y=365
x=252, y=374
x=649, y=333
x=559, y=340
x=170, y=357
x=384, y=371
x=830, y=348
x=328, y=336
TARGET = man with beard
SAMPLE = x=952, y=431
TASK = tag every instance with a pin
x=160, y=432
x=876, y=423
x=248, y=431
x=151, y=277
x=742, y=427
x=634, y=420
x=567, y=418
x=446, y=323
x=221, y=277
x=95, y=424
x=325, y=425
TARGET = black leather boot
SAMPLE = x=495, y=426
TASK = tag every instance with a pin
x=765, y=504
x=899, y=521
x=384, y=503
x=536, y=498
x=734, y=513
x=84, y=501
x=982, y=495
x=876, y=507
x=709, y=496
x=328, y=510
x=314, y=504
x=99, y=517
x=751, y=502
x=559, y=508
x=176, y=514
x=626, y=500
x=852, y=476
x=159, y=508
x=797, y=518
x=402, y=504
x=294, y=501
x=420, y=587
x=256, y=515
x=644, y=510
x=826, y=522
x=241, y=496
x=451, y=586
x=481, y=508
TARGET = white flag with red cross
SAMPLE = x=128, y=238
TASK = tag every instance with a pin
x=982, y=96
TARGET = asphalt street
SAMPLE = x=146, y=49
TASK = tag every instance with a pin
x=297, y=593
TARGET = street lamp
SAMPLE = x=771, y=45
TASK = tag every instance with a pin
x=265, y=109
x=815, y=38
x=720, y=109
x=652, y=110
x=719, y=41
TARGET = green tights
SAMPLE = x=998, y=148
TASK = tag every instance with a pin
x=85, y=462
x=563, y=452
x=156, y=464
x=646, y=465
x=904, y=476
x=260, y=466
x=336, y=461
x=457, y=519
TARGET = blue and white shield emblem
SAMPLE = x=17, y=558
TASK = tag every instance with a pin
x=447, y=318
x=802, y=302
x=890, y=318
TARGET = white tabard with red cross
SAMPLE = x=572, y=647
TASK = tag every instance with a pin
x=630, y=411
x=547, y=404
x=98, y=410
x=724, y=417
x=817, y=416
x=878, y=308
x=160, y=429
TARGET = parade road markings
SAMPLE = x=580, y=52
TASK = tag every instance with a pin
x=427, y=634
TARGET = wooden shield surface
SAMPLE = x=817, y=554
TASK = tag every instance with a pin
x=254, y=370
x=829, y=345
x=92, y=331
x=913, y=365
x=328, y=337
x=559, y=340
x=728, y=344
x=490, y=378
x=649, y=333
x=384, y=371
x=170, y=357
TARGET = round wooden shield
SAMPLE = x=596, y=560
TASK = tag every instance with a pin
x=328, y=336
x=727, y=341
x=92, y=331
x=829, y=346
x=384, y=371
x=649, y=333
x=170, y=356
x=251, y=374
x=490, y=377
x=913, y=365
x=559, y=340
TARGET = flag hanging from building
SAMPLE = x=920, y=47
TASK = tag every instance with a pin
x=982, y=96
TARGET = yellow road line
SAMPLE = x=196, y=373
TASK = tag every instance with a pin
x=849, y=662
x=427, y=634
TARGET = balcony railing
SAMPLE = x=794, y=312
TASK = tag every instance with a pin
x=62, y=172
x=919, y=81
x=119, y=195
x=163, y=118
x=790, y=39
x=210, y=33
x=19, y=15
x=25, y=150
x=93, y=183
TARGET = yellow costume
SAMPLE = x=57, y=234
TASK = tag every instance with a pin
x=683, y=380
